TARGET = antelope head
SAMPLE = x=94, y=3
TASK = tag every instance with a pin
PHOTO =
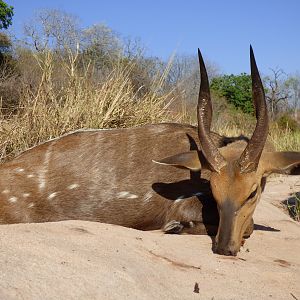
x=237, y=172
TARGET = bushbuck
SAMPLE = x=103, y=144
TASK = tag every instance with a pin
x=178, y=178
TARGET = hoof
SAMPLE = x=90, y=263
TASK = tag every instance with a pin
x=173, y=227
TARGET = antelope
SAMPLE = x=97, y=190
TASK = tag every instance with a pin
x=174, y=177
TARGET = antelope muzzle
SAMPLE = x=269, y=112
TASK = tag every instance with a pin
x=234, y=221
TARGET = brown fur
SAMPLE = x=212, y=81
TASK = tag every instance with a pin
x=109, y=176
x=104, y=164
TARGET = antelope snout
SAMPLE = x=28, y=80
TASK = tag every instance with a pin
x=227, y=251
x=231, y=249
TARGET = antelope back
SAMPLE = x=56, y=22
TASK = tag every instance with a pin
x=99, y=175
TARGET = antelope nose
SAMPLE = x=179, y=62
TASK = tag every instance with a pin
x=226, y=251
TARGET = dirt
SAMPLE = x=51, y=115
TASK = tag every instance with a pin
x=86, y=260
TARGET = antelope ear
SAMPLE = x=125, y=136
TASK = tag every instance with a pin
x=281, y=162
x=186, y=160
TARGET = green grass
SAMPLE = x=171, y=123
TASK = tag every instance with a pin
x=293, y=206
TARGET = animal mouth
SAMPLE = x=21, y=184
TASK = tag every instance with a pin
x=227, y=251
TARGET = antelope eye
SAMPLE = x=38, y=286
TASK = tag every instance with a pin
x=252, y=194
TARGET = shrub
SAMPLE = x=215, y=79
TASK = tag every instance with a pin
x=236, y=89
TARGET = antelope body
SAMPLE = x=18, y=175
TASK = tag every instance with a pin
x=178, y=178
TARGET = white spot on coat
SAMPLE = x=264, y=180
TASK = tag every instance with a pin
x=42, y=183
x=5, y=191
x=13, y=199
x=183, y=197
x=26, y=195
x=198, y=194
x=30, y=205
x=52, y=195
x=147, y=196
x=30, y=176
x=73, y=186
x=19, y=170
x=126, y=195
x=179, y=199
x=42, y=173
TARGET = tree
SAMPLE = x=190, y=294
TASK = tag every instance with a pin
x=184, y=75
x=6, y=59
x=101, y=45
x=53, y=29
x=293, y=84
x=6, y=14
x=277, y=93
x=5, y=43
x=236, y=89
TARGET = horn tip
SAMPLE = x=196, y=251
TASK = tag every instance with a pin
x=199, y=54
x=251, y=53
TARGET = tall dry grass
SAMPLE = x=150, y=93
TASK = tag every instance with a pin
x=230, y=122
x=66, y=97
x=50, y=110
x=282, y=139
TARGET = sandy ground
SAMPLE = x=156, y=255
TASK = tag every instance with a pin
x=85, y=260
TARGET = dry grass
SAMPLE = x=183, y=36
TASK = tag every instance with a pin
x=49, y=111
x=231, y=123
x=283, y=140
x=53, y=107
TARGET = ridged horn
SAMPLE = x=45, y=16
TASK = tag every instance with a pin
x=249, y=159
x=204, y=115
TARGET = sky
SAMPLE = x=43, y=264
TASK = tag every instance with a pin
x=223, y=30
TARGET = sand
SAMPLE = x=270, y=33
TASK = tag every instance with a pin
x=87, y=260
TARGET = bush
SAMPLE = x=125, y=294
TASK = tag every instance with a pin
x=293, y=206
x=236, y=89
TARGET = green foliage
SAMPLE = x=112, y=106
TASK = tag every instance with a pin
x=236, y=89
x=286, y=122
x=293, y=206
x=5, y=46
x=7, y=62
x=6, y=14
